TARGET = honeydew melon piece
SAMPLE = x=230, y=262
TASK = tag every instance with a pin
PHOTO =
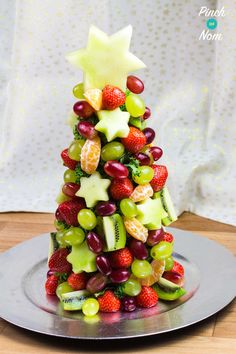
x=114, y=124
x=106, y=59
x=93, y=189
x=82, y=259
x=150, y=213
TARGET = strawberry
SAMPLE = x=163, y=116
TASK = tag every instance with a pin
x=147, y=297
x=69, y=210
x=135, y=141
x=112, y=97
x=58, y=262
x=167, y=237
x=51, y=285
x=77, y=281
x=121, y=258
x=178, y=268
x=121, y=188
x=160, y=177
x=68, y=162
x=108, y=302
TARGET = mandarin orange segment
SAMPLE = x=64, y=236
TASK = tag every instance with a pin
x=136, y=229
x=94, y=98
x=142, y=192
x=90, y=155
x=158, y=268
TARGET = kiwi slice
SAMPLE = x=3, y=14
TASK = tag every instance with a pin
x=136, y=122
x=74, y=300
x=168, y=206
x=168, y=285
x=114, y=231
x=53, y=244
x=166, y=290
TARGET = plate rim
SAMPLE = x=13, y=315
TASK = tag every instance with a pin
x=227, y=299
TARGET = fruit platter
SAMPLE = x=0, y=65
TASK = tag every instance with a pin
x=110, y=251
x=112, y=257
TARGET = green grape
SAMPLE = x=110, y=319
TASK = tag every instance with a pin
x=75, y=148
x=112, y=151
x=135, y=105
x=145, y=176
x=72, y=120
x=87, y=219
x=60, y=239
x=90, y=307
x=74, y=236
x=59, y=225
x=169, y=263
x=128, y=208
x=162, y=250
x=63, y=288
x=131, y=287
x=69, y=176
x=78, y=91
x=61, y=197
x=141, y=269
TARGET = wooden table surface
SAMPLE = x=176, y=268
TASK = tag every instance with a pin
x=214, y=335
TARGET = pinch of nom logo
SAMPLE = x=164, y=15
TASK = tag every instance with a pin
x=211, y=23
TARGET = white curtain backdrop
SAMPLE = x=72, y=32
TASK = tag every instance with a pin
x=190, y=86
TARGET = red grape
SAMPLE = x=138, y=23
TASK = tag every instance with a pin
x=94, y=242
x=49, y=273
x=147, y=113
x=143, y=158
x=150, y=135
x=58, y=215
x=87, y=130
x=155, y=236
x=105, y=208
x=116, y=169
x=83, y=109
x=103, y=265
x=134, y=84
x=156, y=152
x=96, y=283
x=70, y=189
x=128, y=303
x=138, y=249
x=119, y=275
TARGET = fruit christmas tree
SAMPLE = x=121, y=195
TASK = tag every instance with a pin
x=111, y=251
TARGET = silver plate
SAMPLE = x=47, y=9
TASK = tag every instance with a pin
x=210, y=283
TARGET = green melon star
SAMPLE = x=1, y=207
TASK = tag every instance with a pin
x=93, y=189
x=106, y=59
x=82, y=259
x=150, y=213
x=114, y=124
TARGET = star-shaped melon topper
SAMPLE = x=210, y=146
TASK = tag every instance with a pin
x=106, y=59
x=114, y=124
x=93, y=189
x=150, y=213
